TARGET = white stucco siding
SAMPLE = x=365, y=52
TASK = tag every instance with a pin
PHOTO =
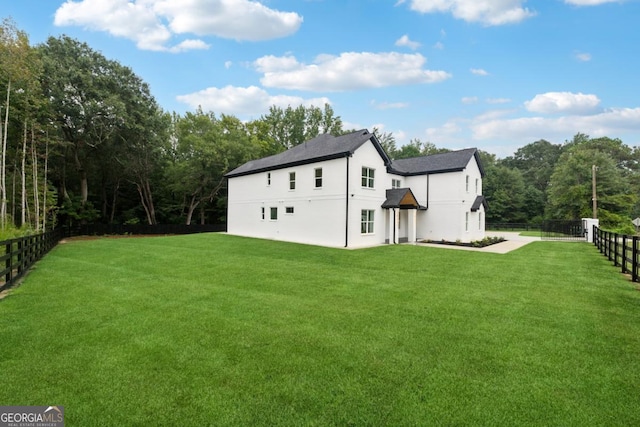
x=366, y=198
x=449, y=202
x=318, y=213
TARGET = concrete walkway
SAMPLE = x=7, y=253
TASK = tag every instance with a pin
x=514, y=241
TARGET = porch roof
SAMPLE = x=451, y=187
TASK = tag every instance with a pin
x=480, y=200
x=402, y=198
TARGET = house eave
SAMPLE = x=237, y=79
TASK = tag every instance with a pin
x=290, y=165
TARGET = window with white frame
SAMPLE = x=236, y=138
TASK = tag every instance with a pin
x=262, y=212
x=366, y=222
x=477, y=186
x=318, y=177
x=396, y=183
x=467, y=183
x=466, y=221
x=268, y=179
x=479, y=220
x=274, y=213
x=368, y=177
x=288, y=210
x=292, y=180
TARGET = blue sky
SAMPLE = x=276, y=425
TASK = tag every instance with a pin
x=492, y=74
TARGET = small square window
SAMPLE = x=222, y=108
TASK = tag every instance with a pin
x=274, y=214
x=288, y=210
x=396, y=183
x=318, y=177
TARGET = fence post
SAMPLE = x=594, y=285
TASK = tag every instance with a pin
x=624, y=253
x=634, y=259
x=615, y=249
x=9, y=262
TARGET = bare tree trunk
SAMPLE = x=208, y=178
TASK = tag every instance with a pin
x=34, y=168
x=192, y=207
x=3, y=162
x=146, y=198
x=84, y=185
x=114, y=200
x=44, y=190
x=23, y=197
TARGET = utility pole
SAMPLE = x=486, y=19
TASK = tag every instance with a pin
x=594, y=197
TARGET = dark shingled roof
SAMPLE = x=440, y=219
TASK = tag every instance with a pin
x=320, y=148
x=452, y=161
x=401, y=198
x=480, y=200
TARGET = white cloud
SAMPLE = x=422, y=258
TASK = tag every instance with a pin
x=613, y=122
x=498, y=100
x=250, y=100
x=563, y=102
x=405, y=41
x=469, y=100
x=153, y=23
x=583, y=56
x=496, y=12
x=388, y=105
x=228, y=64
x=438, y=45
x=349, y=71
x=589, y=2
x=189, y=45
x=479, y=72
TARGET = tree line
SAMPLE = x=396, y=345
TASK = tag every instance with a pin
x=82, y=140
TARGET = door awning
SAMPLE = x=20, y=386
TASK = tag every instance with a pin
x=480, y=201
x=402, y=198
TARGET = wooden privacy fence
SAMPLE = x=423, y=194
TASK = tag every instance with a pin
x=21, y=253
x=621, y=249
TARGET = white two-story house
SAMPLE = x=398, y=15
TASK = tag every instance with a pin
x=345, y=191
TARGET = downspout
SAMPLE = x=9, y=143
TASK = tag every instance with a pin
x=394, y=226
x=427, y=191
x=346, y=221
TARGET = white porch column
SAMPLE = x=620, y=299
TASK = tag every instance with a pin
x=392, y=230
x=411, y=225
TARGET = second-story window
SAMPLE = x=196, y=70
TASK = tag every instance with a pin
x=395, y=183
x=467, y=183
x=268, y=179
x=368, y=177
x=318, y=177
x=292, y=180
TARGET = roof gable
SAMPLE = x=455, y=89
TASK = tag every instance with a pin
x=401, y=198
x=452, y=161
x=321, y=148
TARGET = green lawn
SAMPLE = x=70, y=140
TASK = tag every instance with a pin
x=212, y=329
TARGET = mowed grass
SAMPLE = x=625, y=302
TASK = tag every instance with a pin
x=213, y=329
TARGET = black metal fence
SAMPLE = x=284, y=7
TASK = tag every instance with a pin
x=158, y=229
x=512, y=226
x=563, y=230
x=620, y=249
x=22, y=252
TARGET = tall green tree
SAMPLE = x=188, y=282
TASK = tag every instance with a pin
x=570, y=192
x=292, y=126
x=206, y=148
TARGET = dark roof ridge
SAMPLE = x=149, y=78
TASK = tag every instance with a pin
x=322, y=147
